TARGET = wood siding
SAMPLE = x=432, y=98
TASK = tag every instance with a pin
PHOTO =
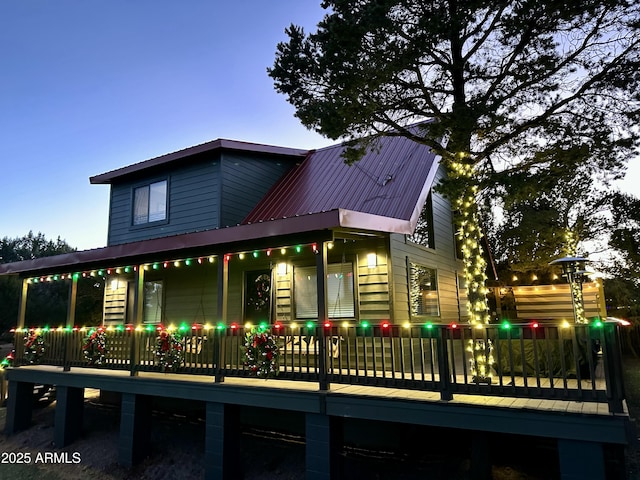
x=442, y=258
x=205, y=193
x=190, y=294
x=192, y=204
x=554, y=301
x=245, y=180
x=371, y=284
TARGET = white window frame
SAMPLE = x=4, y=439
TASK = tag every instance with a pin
x=150, y=203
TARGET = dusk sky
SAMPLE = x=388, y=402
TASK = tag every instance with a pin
x=90, y=86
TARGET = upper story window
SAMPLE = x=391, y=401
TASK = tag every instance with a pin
x=424, y=233
x=150, y=203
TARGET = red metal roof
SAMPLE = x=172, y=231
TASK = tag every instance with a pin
x=220, y=144
x=390, y=181
x=385, y=192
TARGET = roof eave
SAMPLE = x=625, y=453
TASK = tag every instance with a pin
x=198, y=241
x=219, y=144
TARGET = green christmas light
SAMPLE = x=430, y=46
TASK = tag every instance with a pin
x=506, y=325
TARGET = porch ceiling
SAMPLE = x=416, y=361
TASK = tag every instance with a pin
x=286, y=231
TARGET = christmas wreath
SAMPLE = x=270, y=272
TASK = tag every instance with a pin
x=169, y=351
x=261, y=353
x=95, y=347
x=8, y=360
x=34, y=347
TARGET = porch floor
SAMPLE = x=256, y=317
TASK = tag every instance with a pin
x=380, y=392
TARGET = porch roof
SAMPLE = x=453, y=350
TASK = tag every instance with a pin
x=313, y=227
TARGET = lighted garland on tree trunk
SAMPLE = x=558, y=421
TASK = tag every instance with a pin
x=95, y=347
x=34, y=347
x=169, y=352
x=261, y=353
x=470, y=237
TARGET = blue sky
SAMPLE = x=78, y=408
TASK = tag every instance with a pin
x=89, y=86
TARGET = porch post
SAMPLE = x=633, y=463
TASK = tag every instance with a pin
x=223, y=284
x=71, y=320
x=22, y=315
x=321, y=278
x=223, y=288
x=22, y=310
x=138, y=312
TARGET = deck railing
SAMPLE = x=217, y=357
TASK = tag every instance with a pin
x=577, y=362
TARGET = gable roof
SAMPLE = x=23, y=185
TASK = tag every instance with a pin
x=219, y=144
x=391, y=181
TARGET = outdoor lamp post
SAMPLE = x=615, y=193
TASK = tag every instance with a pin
x=574, y=269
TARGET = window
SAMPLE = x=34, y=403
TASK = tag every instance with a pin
x=423, y=291
x=424, y=233
x=150, y=203
x=340, y=296
x=152, y=302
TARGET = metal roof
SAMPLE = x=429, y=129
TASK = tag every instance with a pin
x=219, y=144
x=383, y=192
x=276, y=233
x=390, y=181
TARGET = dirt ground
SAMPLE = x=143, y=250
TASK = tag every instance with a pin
x=178, y=443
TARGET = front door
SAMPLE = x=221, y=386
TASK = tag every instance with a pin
x=257, y=295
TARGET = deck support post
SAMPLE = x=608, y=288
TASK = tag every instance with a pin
x=480, y=455
x=222, y=442
x=135, y=428
x=323, y=437
x=580, y=459
x=19, y=407
x=68, y=415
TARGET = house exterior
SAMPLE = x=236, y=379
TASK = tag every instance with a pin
x=244, y=220
x=226, y=235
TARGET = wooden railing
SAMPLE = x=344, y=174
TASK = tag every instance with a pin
x=578, y=362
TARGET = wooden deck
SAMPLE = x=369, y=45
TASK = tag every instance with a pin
x=505, y=402
x=581, y=429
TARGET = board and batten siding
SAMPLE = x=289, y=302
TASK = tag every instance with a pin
x=245, y=180
x=442, y=258
x=192, y=204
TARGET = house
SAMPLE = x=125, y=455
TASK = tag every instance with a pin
x=224, y=235
x=251, y=218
